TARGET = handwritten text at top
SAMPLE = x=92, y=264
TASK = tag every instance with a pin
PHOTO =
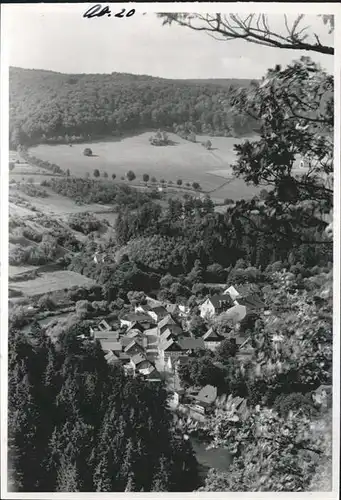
x=99, y=11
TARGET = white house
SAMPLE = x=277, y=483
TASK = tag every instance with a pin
x=214, y=305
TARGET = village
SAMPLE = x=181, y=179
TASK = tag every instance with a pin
x=151, y=342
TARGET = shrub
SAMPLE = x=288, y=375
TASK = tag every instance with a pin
x=145, y=177
x=295, y=402
x=87, y=152
x=179, y=182
x=96, y=172
x=105, y=175
x=196, y=185
x=85, y=223
x=113, y=176
x=45, y=303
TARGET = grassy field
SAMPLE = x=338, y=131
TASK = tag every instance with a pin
x=51, y=282
x=183, y=160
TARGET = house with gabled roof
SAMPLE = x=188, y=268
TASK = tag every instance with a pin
x=133, y=347
x=157, y=313
x=143, y=319
x=204, y=401
x=171, y=349
x=154, y=376
x=113, y=358
x=214, y=305
x=102, y=330
x=143, y=366
x=137, y=359
x=165, y=323
x=173, y=331
x=109, y=335
x=212, y=339
x=151, y=302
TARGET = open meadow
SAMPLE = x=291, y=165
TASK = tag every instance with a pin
x=184, y=160
x=51, y=282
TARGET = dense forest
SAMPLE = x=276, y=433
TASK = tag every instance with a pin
x=55, y=107
x=78, y=424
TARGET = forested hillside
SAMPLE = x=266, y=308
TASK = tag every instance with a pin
x=56, y=107
x=78, y=424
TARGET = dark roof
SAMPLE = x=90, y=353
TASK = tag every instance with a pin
x=145, y=307
x=217, y=299
x=166, y=334
x=153, y=302
x=212, y=336
x=190, y=343
x=154, y=375
x=208, y=394
x=174, y=332
x=175, y=329
x=159, y=310
x=167, y=320
x=137, y=359
x=136, y=326
x=170, y=345
x=252, y=302
x=133, y=343
x=123, y=356
x=126, y=340
x=247, y=289
x=239, y=338
x=139, y=317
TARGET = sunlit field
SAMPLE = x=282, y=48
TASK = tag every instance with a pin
x=184, y=160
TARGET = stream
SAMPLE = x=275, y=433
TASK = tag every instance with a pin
x=218, y=458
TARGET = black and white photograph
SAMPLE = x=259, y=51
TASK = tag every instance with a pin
x=170, y=249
